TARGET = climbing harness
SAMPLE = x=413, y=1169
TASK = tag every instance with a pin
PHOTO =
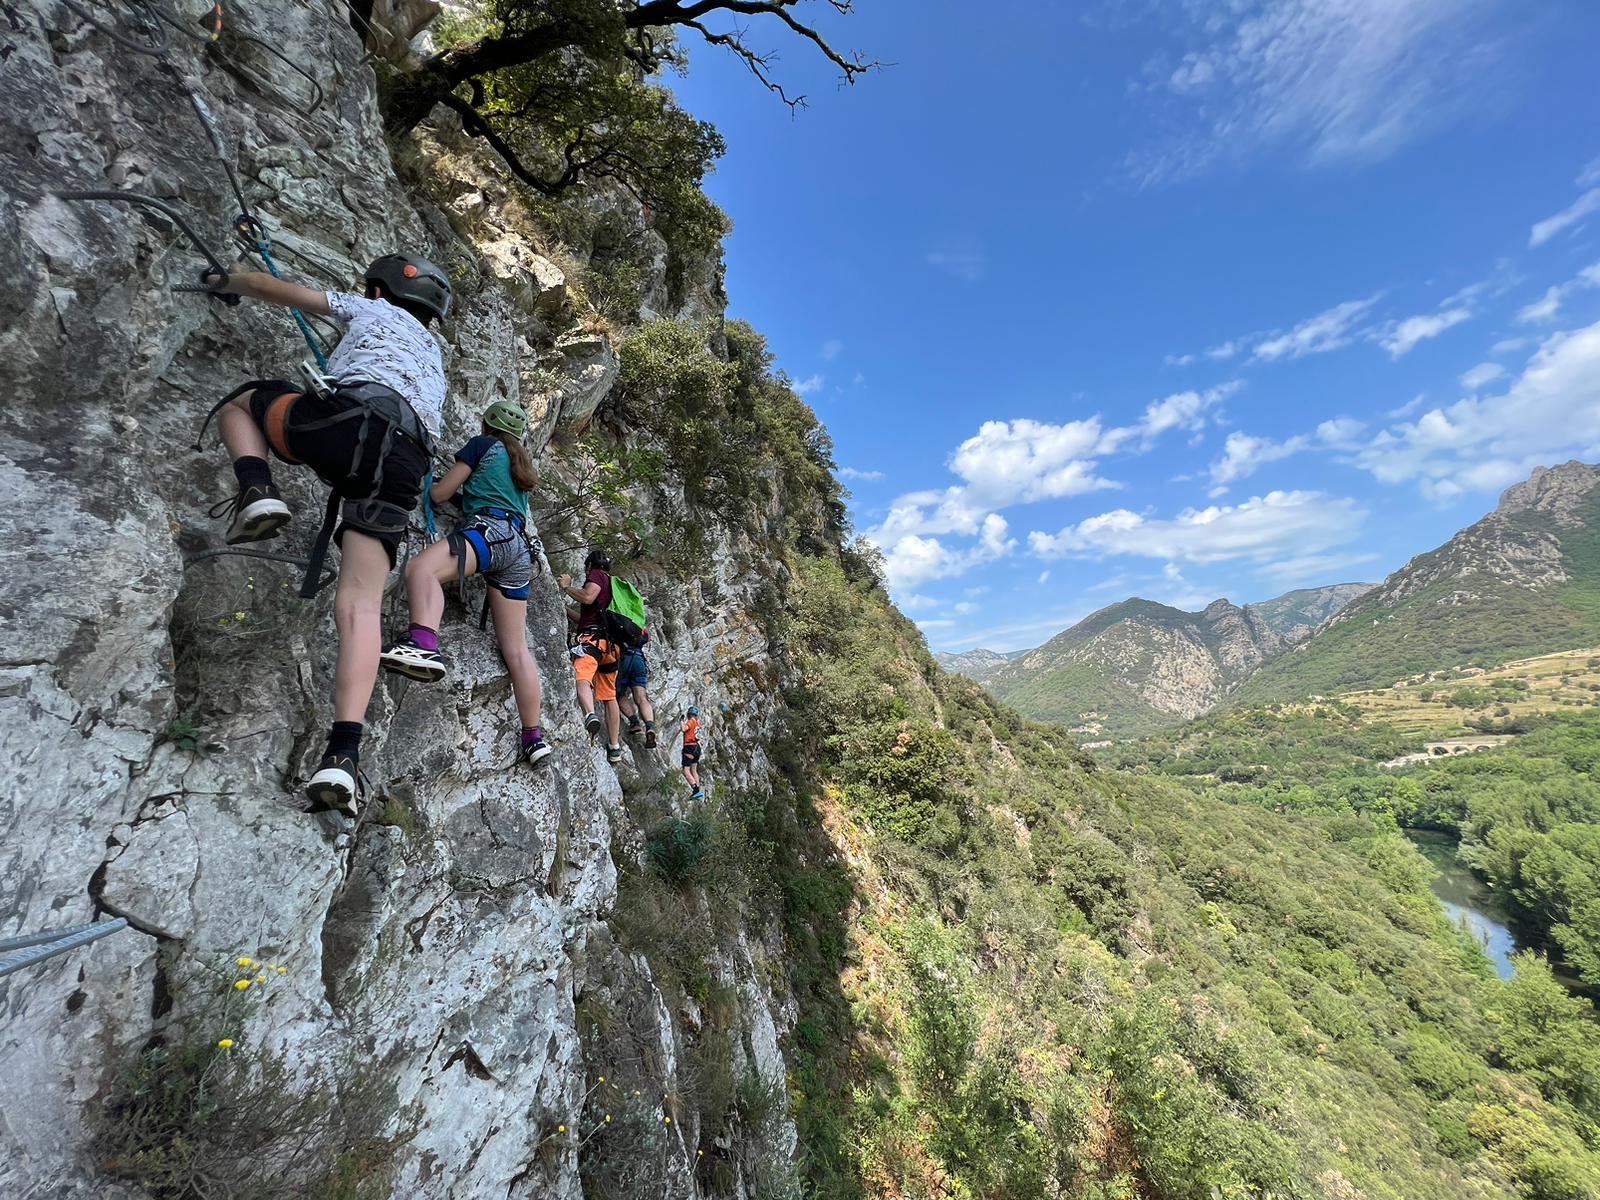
x=369, y=403
x=25, y=951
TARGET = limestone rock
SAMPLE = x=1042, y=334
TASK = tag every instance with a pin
x=445, y=940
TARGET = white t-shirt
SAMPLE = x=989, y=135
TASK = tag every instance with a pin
x=385, y=344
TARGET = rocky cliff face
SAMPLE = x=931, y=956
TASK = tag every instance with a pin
x=1137, y=666
x=978, y=665
x=160, y=710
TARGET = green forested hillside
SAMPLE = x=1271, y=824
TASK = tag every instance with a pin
x=1525, y=580
x=1054, y=978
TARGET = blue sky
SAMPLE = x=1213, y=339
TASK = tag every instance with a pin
x=1171, y=298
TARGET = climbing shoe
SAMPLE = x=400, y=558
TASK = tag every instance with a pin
x=535, y=750
x=591, y=724
x=697, y=794
x=650, y=737
x=613, y=754
x=336, y=785
x=254, y=514
x=407, y=658
x=635, y=728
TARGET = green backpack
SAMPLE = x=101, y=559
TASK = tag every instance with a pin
x=624, y=622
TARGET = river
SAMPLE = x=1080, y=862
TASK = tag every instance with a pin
x=1468, y=899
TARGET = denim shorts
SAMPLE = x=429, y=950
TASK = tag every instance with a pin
x=634, y=672
x=504, y=559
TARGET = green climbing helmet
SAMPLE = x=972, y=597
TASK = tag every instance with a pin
x=506, y=417
x=405, y=277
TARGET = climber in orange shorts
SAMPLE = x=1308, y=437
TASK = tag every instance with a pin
x=594, y=659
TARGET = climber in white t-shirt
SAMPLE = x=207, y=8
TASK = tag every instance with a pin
x=369, y=438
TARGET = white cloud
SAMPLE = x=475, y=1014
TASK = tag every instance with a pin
x=1409, y=407
x=1548, y=306
x=1243, y=454
x=1044, y=577
x=1483, y=373
x=1010, y=461
x=1179, y=360
x=1259, y=530
x=965, y=609
x=940, y=623
x=1340, y=433
x=865, y=476
x=1014, y=462
x=913, y=559
x=912, y=602
x=1225, y=351
x=1181, y=410
x=969, y=266
x=1575, y=212
x=809, y=386
x=1304, y=569
x=1510, y=345
x=1550, y=411
x=1317, y=335
x=831, y=349
x=1327, y=80
x=1401, y=338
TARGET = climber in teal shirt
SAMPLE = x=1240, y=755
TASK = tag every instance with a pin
x=493, y=474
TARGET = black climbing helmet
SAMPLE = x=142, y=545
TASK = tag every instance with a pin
x=598, y=558
x=415, y=280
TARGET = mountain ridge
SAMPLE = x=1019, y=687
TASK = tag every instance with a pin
x=1139, y=665
x=1524, y=579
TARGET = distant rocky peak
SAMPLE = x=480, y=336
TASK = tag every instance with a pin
x=1558, y=491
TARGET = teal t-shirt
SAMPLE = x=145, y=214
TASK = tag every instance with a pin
x=490, y=485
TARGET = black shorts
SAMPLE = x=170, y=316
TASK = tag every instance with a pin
x=691, y=754
x=281, y=410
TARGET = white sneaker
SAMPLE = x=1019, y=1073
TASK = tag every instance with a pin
x=407, y=658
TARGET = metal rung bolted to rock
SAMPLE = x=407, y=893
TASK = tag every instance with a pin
x=33, y=948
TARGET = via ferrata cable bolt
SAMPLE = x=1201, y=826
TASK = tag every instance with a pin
x=213, y=281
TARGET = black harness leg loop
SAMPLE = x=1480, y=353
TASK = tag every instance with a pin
x=319, y=549
x=200, y=437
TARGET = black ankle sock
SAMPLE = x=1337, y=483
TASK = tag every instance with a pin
x=253, y=472
x=345, y=738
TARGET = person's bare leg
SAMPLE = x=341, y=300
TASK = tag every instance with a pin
x=641, y=704
x=358, y=614
x=240, y=433
x=613, y=724
x=425, y=578
x=586, y=696
x=511, y=631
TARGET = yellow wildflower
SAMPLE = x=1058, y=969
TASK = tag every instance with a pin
x=239, y=616
x=699, y=1153
x=245, y=964
x=561, y=1128
x=602, y=1079
x=666, y=1120
x=608, y=1118
x=225, y=1044
x=242, y=984
x=261, y=978
x=281, y=970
